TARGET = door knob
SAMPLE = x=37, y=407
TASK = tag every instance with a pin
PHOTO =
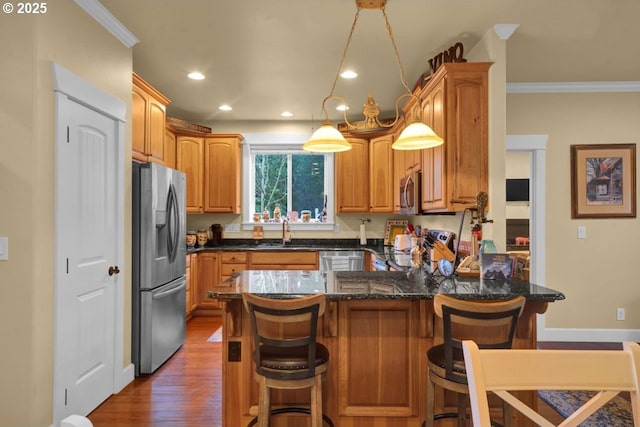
x=113, y=270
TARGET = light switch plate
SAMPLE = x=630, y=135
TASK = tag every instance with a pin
x=582, y=232
x=4, y=248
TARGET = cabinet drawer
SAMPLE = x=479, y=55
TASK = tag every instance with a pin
x=284, y=258
x=234, y=257
x=230, y=269
x=285, y=267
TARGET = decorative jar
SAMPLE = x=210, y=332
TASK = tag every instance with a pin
x=192, y=238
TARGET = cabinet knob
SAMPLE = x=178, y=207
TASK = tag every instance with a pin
x=113, y=270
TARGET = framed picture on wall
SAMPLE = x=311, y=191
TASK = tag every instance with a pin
x=603, y=181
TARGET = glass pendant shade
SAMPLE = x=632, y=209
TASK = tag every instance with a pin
x=327, y=139
x=417, y=136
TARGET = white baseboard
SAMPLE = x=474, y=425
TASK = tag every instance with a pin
x=594, y=335
x=126, y=376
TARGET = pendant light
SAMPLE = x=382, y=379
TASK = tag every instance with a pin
x=415, y=136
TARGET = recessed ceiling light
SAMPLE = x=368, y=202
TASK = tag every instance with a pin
x=349, y=74
x=286, y=114
x=225, y=107
x=342, y=107
x=196, y=76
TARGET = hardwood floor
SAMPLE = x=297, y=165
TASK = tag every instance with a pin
x=186, y=391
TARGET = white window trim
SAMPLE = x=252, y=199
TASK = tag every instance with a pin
x=281, y=143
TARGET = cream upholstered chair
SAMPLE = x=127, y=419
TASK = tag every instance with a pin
x=494, y=321
x=285, y=352
x=607, y=372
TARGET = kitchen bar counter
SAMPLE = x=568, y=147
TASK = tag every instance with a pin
x=350, y=285
x=378, y=327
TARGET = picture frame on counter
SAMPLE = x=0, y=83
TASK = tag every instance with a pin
x=603, y=181
x=393, y=228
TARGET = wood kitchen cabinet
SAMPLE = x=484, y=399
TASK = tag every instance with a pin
x=223, y=173
x=148, y=117
x=364, y=176
x=455, y=105
x=284, y=260
x=169, y=148
x=381, y=174
x=231, y=263
x=433, y=167
x=189, y=159
x=352, y=177
x=191, y=285
x=209, y=275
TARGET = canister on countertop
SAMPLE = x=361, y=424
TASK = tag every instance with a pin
x=192, y=238
x=203, y=237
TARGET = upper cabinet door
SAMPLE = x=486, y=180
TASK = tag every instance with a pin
x=223, y=174
x=352, y=178
x=189, y=159
x=381, y=174
x=148, y=116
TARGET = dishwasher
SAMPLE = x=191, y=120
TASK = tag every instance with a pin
x=341, y=260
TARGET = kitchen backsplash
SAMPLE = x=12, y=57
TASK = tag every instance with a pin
x=349, y=225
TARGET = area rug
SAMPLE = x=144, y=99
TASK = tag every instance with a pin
x=616, y=413
x=216, y=336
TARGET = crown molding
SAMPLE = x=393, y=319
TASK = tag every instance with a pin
x=573, y=87
x=108, y=21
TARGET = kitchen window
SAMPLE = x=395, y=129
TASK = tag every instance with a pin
x=296, y=181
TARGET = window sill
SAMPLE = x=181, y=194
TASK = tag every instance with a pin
x=293, y=226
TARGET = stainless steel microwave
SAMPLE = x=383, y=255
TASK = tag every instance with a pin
x=411, y=194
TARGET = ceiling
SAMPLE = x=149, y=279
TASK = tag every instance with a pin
x=263, y=57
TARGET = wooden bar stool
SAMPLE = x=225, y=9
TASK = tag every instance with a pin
x=493, y=325
x=286, y=354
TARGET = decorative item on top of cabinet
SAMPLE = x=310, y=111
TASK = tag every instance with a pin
x=189, y=155
x=223, y=173
x=148, y=117
x=364, y=176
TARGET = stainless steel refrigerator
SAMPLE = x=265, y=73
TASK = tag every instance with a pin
x=159, y=265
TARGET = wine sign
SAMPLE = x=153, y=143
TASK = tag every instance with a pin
x=454, y=54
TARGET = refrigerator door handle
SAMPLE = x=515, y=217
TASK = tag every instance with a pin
x=173, y=222
x=163, y=294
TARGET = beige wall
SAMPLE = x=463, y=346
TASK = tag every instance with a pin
x=66, y=35
x=597, y=274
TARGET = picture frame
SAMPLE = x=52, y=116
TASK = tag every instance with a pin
x=393, y=228
x=603, y=181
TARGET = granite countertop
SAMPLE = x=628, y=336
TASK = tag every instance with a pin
x=373, y=245
x=349, y=285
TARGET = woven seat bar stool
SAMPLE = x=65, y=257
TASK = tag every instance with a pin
x=286, y=354
x=446, y=361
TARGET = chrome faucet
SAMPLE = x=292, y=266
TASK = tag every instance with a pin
x=286, y=229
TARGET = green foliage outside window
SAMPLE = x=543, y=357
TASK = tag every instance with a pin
x=289, y=179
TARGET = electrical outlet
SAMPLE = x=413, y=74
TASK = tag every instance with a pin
x=235, y=351
x=620, y=313
x=232, y=228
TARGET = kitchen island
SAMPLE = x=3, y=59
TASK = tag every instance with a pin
x=377, y=326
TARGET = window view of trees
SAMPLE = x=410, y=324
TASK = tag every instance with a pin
x=295, y=181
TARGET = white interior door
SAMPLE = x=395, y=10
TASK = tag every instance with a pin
x=86, y=257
